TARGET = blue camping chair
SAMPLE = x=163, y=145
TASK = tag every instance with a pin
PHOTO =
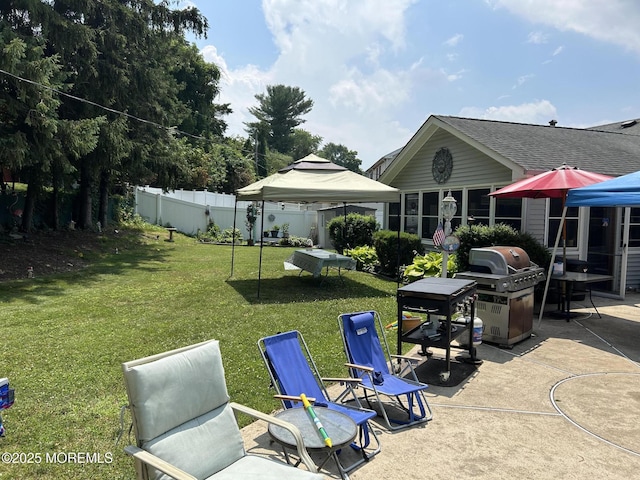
x=293, y=371
x=368, y=361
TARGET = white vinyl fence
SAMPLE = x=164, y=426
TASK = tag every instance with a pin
x=192, y=211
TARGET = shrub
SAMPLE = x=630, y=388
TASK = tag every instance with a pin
x=228, y=235
x=294, y=241
x=428, y=265
x=365, y=256
x=359, y=231
x=211, y=235
x=476, y=236
x=386, y=245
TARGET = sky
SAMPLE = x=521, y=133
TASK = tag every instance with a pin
x=377, y=69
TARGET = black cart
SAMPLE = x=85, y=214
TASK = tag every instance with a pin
x=435, y=296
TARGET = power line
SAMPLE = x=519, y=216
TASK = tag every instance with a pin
x=108, y=109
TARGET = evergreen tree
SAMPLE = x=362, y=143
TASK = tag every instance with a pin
x=281, y=110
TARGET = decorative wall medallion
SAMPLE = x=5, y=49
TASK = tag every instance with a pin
x=442, y=165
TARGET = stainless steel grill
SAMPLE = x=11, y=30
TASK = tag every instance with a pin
x=506, y=278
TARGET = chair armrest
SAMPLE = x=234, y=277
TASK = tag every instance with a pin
x=302, y=450
x=342, y=380
x=157, y=463
x=293, y=398
x=359, y=367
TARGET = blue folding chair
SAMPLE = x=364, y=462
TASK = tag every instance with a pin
x=293, y=371
x=368, y=361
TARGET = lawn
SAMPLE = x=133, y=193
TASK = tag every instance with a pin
x=64, y=338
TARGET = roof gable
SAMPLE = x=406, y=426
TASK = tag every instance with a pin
x=528, y=148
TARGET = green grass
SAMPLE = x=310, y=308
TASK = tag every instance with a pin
x=64, y=338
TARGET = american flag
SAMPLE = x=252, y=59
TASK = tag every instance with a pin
x=438, y=235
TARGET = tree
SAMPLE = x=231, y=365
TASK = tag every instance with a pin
x=136, y=63
x=277, y=160
x=198, y=83
x=281, y=108
x=34, y=139
x=341, y=155
x=304, y=143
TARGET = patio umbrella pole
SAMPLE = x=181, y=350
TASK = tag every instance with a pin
x=564, y=234
x=553, y=255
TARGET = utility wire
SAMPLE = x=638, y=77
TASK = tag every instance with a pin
x=112, y=110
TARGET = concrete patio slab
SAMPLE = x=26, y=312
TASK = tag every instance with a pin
x=563, y=404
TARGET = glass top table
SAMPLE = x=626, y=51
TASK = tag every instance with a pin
x=339, y=427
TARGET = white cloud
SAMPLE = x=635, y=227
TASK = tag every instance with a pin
x=537, y=37
x=333, y=51
x=558, y=50
x=539, y=112
x=455, y=40
x=611, y=21
x=523, y=79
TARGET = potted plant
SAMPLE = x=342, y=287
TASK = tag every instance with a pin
x=274, y=231
x=285, y=230
x=252, y=216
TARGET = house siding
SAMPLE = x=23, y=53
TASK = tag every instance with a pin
x=535, y=218
x=633, y=269
x=470, y=167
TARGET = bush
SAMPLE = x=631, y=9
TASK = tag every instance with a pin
x=211, y=235
x=428, y=265
x=228, y=235
x=365, y=257
x=294, y=241
x=476, y=236
x=386, y=245
x=359, y=231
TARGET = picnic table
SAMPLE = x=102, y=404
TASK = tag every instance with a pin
x=315, y=260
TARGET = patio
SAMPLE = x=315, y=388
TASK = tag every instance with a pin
x=564, y=403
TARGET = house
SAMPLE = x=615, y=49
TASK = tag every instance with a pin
x=471, y=158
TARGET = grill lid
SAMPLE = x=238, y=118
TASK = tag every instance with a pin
x=499, y=260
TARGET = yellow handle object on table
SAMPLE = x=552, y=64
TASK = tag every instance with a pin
x=316, y=420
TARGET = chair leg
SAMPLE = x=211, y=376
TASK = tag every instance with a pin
x=593, y=304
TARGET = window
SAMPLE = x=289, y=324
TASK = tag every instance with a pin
x=457, y=219
x=509, y=211
x=571, y=221
x=479, y=206
x=421, y=212
x=394, y=216
x=411, y=213
x=430, y=214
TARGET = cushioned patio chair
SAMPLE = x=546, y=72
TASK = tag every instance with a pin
x=293, y=371
x=368, y=361
x=184, y=423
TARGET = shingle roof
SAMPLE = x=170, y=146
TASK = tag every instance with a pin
x=628, y=127
x=540, y=147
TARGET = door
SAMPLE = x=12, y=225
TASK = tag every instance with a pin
x=604, y=254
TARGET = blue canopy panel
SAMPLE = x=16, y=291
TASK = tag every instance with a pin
x=621, y=191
